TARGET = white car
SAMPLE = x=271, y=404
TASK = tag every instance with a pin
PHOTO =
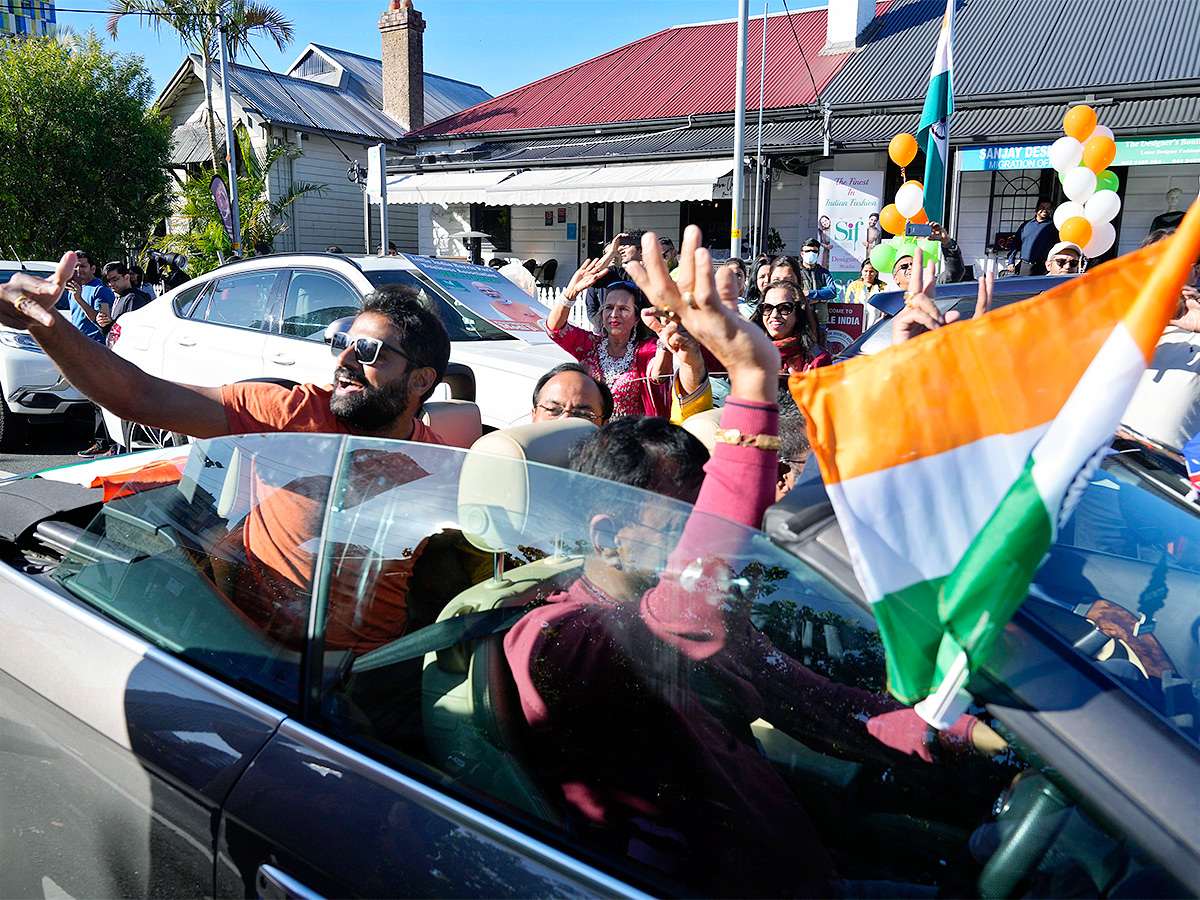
x=30, y=383
x=266, y=318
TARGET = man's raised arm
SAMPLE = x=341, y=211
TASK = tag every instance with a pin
x=27, y=301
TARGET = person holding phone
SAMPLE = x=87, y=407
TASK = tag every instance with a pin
x=952, y=261
x=89, y=296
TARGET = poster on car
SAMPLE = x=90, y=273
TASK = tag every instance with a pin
x=490, y=295
x=845, y=326
x=848, y=205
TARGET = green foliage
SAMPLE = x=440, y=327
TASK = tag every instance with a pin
x=83, y=156
x=260, y=216
x=775, y=244
x=195, y=22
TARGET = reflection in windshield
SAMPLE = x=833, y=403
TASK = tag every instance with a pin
x=462, y=323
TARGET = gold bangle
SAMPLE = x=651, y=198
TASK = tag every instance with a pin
x=738, y=439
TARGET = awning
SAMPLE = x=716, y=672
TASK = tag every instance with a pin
x=441, y=187
x=654, y=182
x=190, y=144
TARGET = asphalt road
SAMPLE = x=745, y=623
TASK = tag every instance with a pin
x=47, y=446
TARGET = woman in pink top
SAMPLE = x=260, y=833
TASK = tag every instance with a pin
x=625, y=354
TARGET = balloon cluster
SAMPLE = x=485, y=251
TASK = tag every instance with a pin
x=1081, y=159
x=909, y=206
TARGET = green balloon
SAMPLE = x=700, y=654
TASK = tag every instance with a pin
x=1107, y=181
x=883, y=257
x=931, y=249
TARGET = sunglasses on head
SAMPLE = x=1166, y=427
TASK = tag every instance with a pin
x=366, y=349
x=783, y=309
x=628, y=285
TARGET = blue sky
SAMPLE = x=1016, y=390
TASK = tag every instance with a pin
x=497, y=44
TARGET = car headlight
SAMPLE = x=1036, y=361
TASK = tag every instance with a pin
x=21, y=340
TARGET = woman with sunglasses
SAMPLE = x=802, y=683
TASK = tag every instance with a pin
x=624, y=354
x=789, y=322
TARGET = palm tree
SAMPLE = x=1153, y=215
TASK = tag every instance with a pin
x=261, y=217
x=195, y=21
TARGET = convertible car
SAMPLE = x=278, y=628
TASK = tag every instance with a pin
x=292, y=666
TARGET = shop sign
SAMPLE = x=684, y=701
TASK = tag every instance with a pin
x=1158, y=151
x=845, y=202
x=998, y=157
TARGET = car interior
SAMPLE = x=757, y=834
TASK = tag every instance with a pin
x=439, y=699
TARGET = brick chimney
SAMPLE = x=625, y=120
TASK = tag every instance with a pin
x=845, y=24
x=403, y=28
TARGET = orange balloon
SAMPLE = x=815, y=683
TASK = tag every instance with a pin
x=903, y=149
x=1099, y=152
x=891, y=220
x=1077, y=230
x=920, y=218
x=1080, y=122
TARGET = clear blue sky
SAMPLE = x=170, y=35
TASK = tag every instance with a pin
x=497, y=44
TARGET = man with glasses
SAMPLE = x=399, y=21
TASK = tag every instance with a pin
x=1064, y=258
x=89, y=296
x=568, y=391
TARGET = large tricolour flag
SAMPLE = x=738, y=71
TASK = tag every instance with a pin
x=933, y=132
x=950, y=458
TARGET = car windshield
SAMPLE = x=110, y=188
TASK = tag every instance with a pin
x=679, y=697
x=461, y=322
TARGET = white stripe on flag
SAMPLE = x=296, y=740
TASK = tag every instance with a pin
x=1089, y=416
x=886, y=515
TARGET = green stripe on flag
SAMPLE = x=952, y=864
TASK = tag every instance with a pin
x=926, y=625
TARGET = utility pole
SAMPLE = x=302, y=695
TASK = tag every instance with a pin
x=230, y=153
x=739, y=129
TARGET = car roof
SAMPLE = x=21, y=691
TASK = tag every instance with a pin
x=33, y=265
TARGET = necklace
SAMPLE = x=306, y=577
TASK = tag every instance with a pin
x=610, y=368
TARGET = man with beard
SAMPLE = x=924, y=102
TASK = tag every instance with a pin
x=387, y=365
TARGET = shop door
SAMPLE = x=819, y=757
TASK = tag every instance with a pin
x=599, y=228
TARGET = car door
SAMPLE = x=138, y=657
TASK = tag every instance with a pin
x=313, y=299
x=223, y=338
x=132, y=696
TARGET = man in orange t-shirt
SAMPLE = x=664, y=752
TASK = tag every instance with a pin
x=387, y=365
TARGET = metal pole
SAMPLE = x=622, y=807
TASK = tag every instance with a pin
x=758, y=169
x=230, y=152
x=366, y=222
x=739, y=131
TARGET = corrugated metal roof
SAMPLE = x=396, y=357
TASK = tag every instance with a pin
x=189, y=144
x=689, y=70
x=1033, y=46
x=357, y=111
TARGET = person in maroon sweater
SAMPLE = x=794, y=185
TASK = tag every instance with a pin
x=640, y=681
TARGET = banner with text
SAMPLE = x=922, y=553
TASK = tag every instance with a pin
x=845, y=326
x=845, y=203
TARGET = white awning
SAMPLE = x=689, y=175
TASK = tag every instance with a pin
x=441, y=187
x=654, y=182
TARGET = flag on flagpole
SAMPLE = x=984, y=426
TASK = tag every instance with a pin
x=933, y=132
x=950, y=458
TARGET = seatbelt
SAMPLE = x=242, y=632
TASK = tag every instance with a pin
x=441, y=635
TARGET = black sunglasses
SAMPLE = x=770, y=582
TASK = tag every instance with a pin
x=784, y=309
x=366, y=349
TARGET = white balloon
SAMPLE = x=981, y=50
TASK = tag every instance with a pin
x=1079, y=184
x=909, y=199
x=1065, y=154
x=1103, y=237
x=1067, y=210
x=1100, y=131
x=1102, y=206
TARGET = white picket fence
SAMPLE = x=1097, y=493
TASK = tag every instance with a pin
x=548, y=296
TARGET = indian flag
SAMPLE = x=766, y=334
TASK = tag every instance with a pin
x=934, y=129
x=951, y=458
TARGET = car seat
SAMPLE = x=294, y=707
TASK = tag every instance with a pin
x=457, y=422
x=473, y=724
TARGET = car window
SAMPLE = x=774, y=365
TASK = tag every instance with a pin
x=714, y=721
x=208, y=558
x=185, y=301
x=313, y=300
x=462, y=323
x=63, y=302
x=1122, y=583
x=242, y=300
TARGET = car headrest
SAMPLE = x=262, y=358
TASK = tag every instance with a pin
x=704, y=425
x=457, y=422
x=497, y=484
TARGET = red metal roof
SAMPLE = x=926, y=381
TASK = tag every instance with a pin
x=680, y=71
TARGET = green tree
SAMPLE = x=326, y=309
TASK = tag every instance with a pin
x=83, y=156
x=195, y=22
x=261, y=216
